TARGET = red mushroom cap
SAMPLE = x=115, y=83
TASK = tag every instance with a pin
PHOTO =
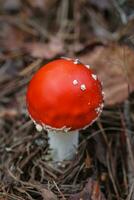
x=64, y=95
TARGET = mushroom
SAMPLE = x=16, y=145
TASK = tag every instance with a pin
x=63, y=97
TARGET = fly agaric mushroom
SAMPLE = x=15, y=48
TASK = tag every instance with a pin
x=63, y=97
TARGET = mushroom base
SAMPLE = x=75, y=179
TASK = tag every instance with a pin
x=63, y=145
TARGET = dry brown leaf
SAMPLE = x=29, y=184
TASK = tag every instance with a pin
x=48, y=195
x=45, y=50
x=114, y=65
x=90, y=192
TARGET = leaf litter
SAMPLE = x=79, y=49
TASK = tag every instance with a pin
x=34, y=32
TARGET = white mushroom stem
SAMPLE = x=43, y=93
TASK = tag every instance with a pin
x=63, y=145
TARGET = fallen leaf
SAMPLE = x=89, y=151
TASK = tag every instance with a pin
x=90, y=192
x=114, y=65
x=45, y=50
x=48, y=195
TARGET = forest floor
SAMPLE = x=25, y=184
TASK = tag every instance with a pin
x=99, y=33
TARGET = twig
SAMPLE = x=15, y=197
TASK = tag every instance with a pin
x=131, y=191
x=120, y=11
x=63, y=197
x=109, y=161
